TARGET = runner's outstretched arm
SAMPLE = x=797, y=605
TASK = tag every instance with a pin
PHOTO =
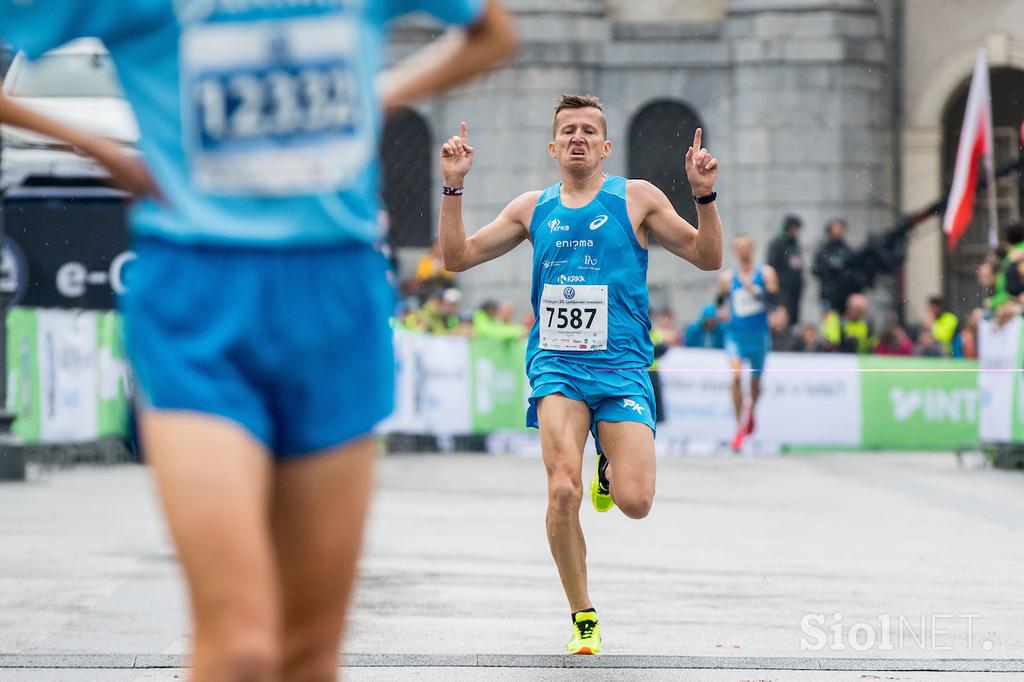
x=127, y=171
x=494, y=239
x=701, y=247
x=451, y=60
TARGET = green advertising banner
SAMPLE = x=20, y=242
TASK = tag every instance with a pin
x=918, y=403
x=23, y=372
x=499, y=387
x=114, y=401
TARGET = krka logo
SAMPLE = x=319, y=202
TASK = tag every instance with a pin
x=556, y=227
x=569, y=293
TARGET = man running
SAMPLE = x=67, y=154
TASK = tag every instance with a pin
x=590, y=346
x=262, y=369
x=751, y=290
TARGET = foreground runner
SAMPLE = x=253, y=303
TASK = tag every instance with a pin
x=252, y=347
x=589, y=348
x=751, y=290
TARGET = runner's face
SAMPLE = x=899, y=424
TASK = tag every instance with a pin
x=580, y=142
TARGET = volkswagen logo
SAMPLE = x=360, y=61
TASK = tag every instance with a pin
x=569, y=293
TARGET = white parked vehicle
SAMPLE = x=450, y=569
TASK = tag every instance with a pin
x=76, y=84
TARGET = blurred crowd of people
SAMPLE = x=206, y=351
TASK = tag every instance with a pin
x=431, y=304
x=848, y=325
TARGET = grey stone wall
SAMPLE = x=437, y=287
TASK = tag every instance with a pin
x=791, y=93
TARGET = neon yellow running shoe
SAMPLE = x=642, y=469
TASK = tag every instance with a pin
x=586, y=634
x=600, y=496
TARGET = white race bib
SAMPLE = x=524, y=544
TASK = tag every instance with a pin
x=574, y=318
x=273, y=107
x=745, y=303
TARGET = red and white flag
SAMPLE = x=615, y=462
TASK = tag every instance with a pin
x=975, y=148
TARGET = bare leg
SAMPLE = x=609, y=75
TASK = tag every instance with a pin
x=319, y=510
x=564, y=424
x=629, y=447
x=214, y=481
x=755, y=390
x=737, y=388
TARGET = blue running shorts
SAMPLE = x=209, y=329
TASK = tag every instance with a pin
x=754, y=351
x=294, y=344
x=613, y=395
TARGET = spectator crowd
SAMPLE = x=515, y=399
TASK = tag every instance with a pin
x=847, y=322
x=432, y=304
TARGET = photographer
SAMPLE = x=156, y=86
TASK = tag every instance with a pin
x=831, y=267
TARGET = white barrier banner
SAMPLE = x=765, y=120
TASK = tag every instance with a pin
x=811, y=399
x=807, y=399
x=432, y=387
x=998, y=351
x=67, y=376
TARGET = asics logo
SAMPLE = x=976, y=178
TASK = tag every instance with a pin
x=598, y=222
x=633, y=405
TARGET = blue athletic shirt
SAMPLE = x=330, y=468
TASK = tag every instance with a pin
x=259, y=118
x=748, y=316
x=586, y=260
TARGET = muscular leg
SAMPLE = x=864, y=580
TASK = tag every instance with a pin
x=214, y=481
x=629, y=447
x=737, y=386
x=319, y=509
x=564, y=424
x=755, y=389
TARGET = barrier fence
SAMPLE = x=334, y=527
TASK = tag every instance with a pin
x=68, y=381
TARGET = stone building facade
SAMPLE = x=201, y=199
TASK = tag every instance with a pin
x=820, y=108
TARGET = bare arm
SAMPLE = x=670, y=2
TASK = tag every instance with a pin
x=771, y=279
x=724, y=284
x=127, y=172
x=451, y=60
x=497, y=238
x=702, y=247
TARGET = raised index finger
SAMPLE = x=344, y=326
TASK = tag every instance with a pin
x=464, y=132
x=697, y=134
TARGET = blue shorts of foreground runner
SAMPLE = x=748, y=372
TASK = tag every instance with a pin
x=293, y=344
x=613, y=395
x=754, y=351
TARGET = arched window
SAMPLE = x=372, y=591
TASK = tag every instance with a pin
x=960, y=267
x=659, y=136
x=406, y=160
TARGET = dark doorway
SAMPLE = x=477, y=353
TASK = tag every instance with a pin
x=407, y=170
x=659, y=136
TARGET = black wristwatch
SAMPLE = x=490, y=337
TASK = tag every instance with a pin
x=706, y=199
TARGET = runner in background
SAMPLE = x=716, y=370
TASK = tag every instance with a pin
x=751, y=290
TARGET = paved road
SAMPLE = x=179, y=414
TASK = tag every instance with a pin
x=735, y=555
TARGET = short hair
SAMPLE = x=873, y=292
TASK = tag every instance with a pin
x=567, y=101
x=791, y=221
x=1015, y=232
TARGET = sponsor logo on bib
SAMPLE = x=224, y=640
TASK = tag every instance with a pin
x=569, y=293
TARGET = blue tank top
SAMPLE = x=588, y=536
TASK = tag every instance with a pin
x=748, y=314
x=589, y=284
